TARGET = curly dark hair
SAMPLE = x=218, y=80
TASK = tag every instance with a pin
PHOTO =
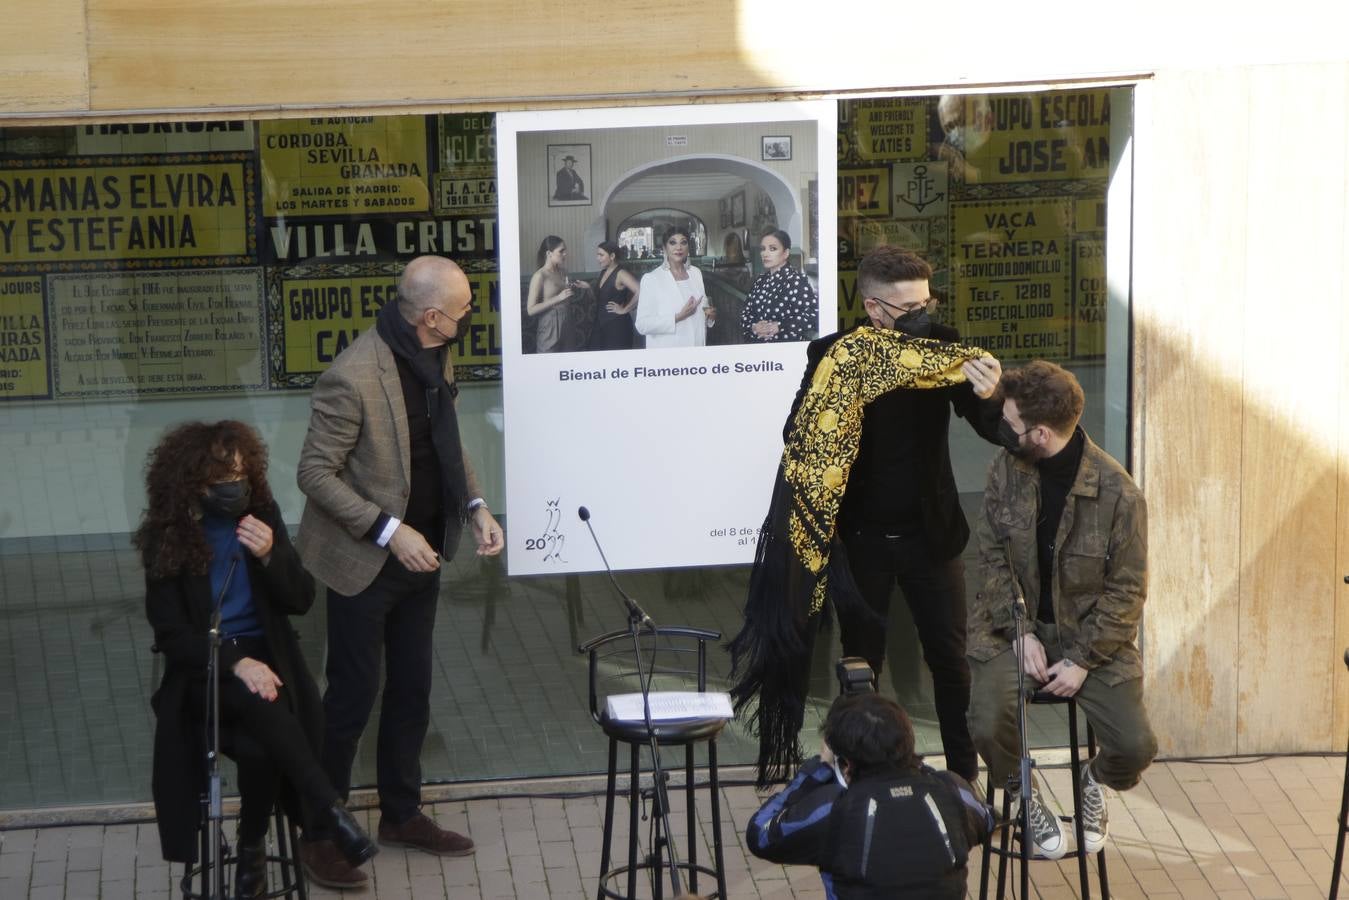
x=1045, y=394
x=187, y=459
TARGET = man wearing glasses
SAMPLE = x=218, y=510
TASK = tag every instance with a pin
x=900, y=518
x=388, y=491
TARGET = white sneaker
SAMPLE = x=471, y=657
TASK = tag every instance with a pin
x=1095, y=818
x=1046, y=836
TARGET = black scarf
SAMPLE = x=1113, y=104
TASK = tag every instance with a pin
x=428, y=364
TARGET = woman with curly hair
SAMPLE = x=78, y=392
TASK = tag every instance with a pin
x=211, y=529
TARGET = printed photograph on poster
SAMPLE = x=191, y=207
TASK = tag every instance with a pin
x=776, y=147
x=623, y=288
x=812, y=201
x=671, y=433
x=570, y=165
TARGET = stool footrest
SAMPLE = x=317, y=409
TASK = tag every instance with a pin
x=272, y=859
x=664, y=870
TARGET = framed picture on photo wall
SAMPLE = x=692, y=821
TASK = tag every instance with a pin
x=776, y=148
x=738, y=209
x=568, y=175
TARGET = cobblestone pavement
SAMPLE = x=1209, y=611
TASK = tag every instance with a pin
x=1261, y=828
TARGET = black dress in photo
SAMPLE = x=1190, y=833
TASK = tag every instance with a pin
x=612, y=331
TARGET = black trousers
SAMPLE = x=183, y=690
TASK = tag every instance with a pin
x=268, y=743
x=935, y=593
x=395, y=614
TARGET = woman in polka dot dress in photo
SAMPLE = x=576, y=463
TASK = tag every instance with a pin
x=782, y=305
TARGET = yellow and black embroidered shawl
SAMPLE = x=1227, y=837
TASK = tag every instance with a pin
x=793, y=574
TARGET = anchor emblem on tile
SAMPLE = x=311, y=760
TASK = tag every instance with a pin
x=920, y=190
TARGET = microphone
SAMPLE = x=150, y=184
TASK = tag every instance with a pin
x=635, y=612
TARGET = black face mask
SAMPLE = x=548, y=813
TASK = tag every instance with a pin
x=1011, y=441
x=460, y=326
x=228, y=499
x=915, y=323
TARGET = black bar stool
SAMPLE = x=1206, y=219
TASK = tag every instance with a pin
x=1344, y=815
x=283, y=866
x=1007, y=825
x=680, y=664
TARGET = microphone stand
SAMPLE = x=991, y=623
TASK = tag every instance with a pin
x=1027, y=764
x=639, y=621
x=215, y=812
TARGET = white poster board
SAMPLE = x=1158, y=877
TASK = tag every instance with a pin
x=672, y=449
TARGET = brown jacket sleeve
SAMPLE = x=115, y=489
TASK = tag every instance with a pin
x=992, y=604
x=334, y=427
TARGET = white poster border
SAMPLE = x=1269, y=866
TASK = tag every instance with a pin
x=676, y=469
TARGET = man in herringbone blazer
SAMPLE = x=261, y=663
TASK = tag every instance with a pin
x=388, y=490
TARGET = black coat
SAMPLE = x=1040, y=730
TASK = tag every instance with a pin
x=179, y=610
x=926, y=416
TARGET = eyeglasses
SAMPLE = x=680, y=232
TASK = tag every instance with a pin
x=929, y=305
x=441, y=312
x=1029, y=428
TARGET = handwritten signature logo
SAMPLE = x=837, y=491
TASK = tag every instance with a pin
x=552, y=541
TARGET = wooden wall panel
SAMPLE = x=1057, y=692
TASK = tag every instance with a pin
x=1293, y=266
x=1187, y=302
x=1341, y=590
x=44, y=65
x=333, y=52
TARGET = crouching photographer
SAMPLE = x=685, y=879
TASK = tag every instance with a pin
x=869, y=814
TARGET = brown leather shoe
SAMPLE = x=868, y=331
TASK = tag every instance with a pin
x=324, y=864
x=420, y=833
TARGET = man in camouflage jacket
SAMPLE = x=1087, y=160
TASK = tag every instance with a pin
x=1065, y=527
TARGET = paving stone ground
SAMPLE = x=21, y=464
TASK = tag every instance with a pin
x=1260, y=828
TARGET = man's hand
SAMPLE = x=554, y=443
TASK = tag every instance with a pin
x=412, y=550
x=1032, y=656
x=1065, y=679
x=491, y=541
x=258, y=677
x=983, y=373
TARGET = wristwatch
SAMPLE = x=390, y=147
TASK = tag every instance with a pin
x=1068, y=663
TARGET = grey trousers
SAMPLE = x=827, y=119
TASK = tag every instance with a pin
x=1126, y=742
